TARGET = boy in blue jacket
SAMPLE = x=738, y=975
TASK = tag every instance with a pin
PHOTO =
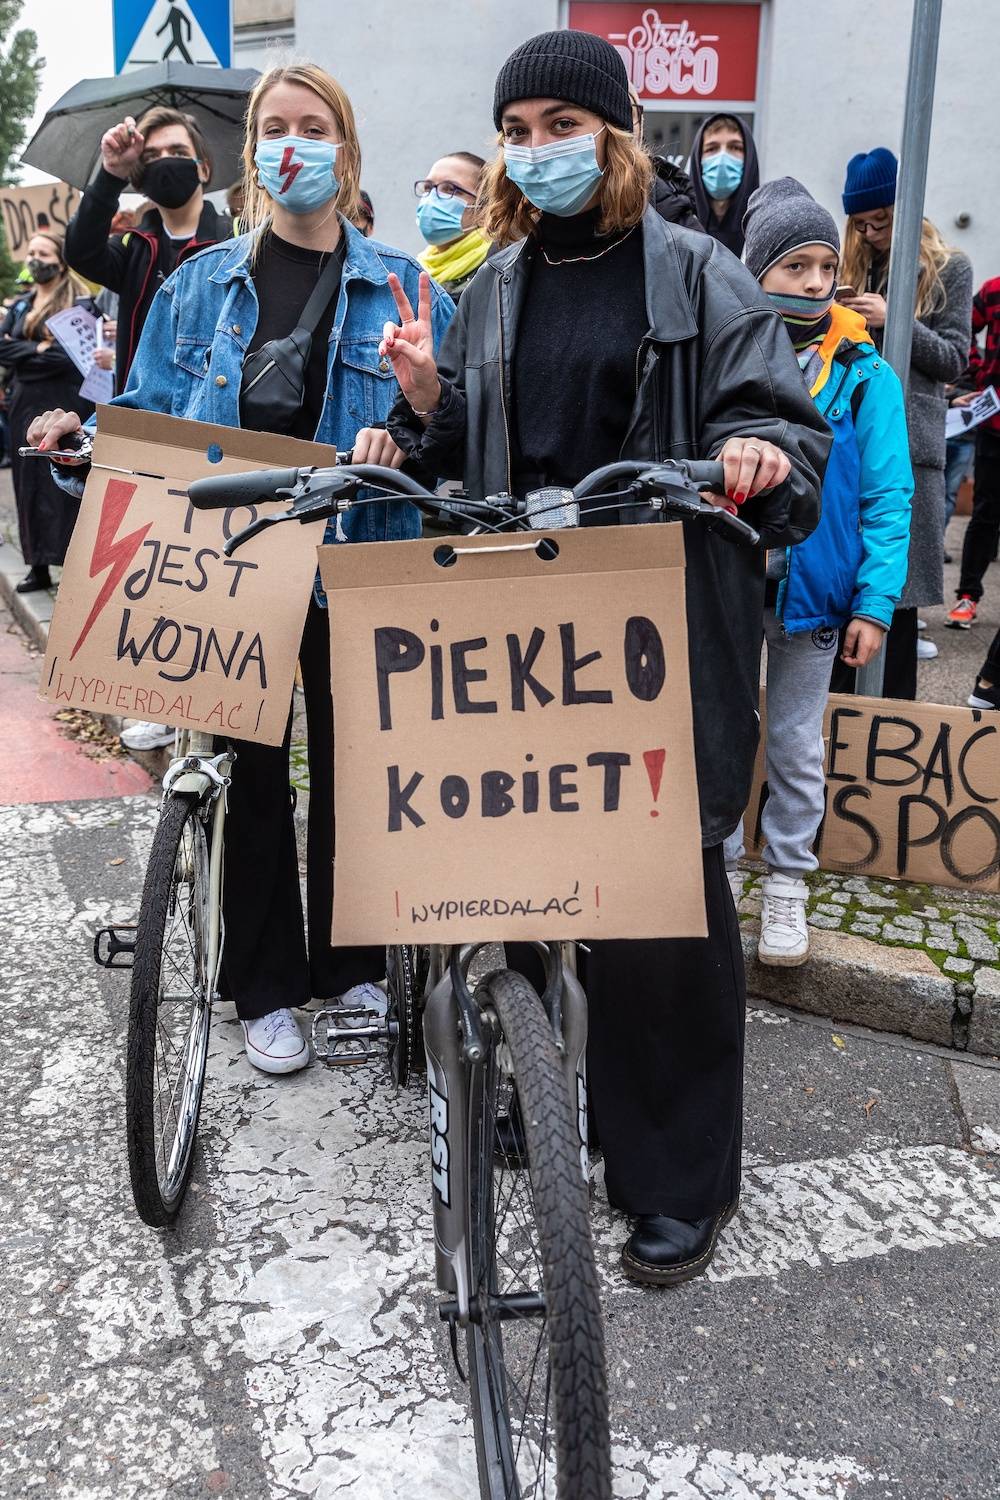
x=850, y=571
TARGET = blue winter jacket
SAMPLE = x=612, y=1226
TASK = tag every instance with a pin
x=201, y=322
x=854, y=563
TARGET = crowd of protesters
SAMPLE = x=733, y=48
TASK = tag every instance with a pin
x=613, y=282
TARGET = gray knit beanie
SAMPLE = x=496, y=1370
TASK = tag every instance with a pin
x=781, y=216
x=572, y=65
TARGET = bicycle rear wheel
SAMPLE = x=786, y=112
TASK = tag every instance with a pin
x=169, y=1014
x=536, y=1340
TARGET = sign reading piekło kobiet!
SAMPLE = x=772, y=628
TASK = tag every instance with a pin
x=514, y=754
x=152, y=619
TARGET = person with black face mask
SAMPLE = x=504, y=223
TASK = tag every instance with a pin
x=164, y=157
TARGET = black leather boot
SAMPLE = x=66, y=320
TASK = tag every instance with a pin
x=34, y=579
x=662, y=1251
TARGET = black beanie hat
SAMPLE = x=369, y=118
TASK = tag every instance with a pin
x=573, y=65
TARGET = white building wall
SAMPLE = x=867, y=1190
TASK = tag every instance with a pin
x=833, y=81
x=420, y=77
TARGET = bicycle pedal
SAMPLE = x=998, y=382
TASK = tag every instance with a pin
x=348, y=1045
x=110, y=944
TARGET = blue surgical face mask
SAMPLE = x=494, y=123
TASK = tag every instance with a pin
x=722, y=174
x=297, y=173
x=559, y=178
x=440, y=219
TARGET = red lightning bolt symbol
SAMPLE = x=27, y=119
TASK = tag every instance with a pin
x=289, y=168
x=109, y=552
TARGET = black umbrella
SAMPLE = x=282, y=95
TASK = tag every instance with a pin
x=67, y=144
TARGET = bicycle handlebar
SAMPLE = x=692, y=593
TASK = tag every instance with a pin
x=671, y=487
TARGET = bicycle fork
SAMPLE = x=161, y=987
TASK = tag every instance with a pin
x=448, y=1078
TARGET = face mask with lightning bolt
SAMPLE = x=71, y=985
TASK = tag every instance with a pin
x=297, y=173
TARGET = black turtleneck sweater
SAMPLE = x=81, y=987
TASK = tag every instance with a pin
x=577, y=339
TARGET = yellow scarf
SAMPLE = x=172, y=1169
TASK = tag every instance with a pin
x=458, y=260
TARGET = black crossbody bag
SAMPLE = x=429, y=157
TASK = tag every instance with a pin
x=273, y=384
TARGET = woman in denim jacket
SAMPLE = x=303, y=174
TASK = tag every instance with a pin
x=302, y=168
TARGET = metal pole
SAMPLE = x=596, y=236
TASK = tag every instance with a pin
x=906, y=225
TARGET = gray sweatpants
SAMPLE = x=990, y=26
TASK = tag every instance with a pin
x=798, y=684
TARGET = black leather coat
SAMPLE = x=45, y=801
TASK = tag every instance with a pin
x=715, y=363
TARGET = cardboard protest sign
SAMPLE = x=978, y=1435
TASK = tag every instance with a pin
x=514, y=751
x=912, y=793
x=152, y=620
x=26, y=210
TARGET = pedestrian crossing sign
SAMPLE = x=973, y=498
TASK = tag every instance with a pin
x=183, y=31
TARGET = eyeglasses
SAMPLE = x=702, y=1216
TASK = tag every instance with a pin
x=425, y=187
x=877, y=226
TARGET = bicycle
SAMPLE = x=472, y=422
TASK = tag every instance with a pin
x=505, y=1065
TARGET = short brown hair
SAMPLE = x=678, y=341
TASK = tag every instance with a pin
x=506, y=215
x=156, y=119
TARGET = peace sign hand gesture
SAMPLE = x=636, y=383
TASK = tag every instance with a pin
x=409, y=344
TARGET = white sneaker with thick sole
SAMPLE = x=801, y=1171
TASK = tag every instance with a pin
x=926, y=650
x=275, y=1044
x=146, y=736
x=784, y=935
x=735, y=878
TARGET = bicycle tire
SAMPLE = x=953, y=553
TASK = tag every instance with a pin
x=175, y=890
x=565, y=1266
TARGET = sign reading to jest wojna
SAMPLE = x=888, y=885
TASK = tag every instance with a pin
x=514, y=753
x=912, y=793
x=152, y=619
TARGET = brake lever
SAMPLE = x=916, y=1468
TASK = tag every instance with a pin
x=328, y=497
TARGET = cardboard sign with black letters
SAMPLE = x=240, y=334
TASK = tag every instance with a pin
x=152, y=620
x=912, y=793
x=48, y=207
x=514, y=751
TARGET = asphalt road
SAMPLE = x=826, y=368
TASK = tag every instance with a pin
x=282, y=1340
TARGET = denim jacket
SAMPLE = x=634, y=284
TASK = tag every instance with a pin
x=190, y=356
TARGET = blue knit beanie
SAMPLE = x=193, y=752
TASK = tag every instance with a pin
x=871, y=181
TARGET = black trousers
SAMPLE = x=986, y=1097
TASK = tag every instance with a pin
x=990, y=671
x=266, y=961
x=983, y=531
x=665, y=1059
x=900, y=647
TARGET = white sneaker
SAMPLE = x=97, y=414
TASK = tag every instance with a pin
x=921, y=624
x=366, y=996
x=275, y=1044
x=784, y=936
x=735, y=878
x=926, y=650
x=146, y=736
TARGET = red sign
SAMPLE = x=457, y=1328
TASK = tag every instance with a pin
x=680, y=52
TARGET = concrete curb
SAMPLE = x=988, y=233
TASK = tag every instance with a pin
x=849, y=978
x=33, y=613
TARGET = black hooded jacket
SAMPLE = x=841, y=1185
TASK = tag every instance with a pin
x=729, y=229
x=715, y=363
x=673, y=195
x=127, y=264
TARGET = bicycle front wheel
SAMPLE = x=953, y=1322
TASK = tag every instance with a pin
x=536, y=1339
x=169, y=1014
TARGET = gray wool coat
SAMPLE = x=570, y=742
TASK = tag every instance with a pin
x=940, y=354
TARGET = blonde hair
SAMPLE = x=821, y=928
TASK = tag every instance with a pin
x=255, y=217
x=59, y=294
x=856, y=263
x=505, y=215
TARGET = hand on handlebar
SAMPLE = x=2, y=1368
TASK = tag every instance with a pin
x=752, y=465
x=51, y=429
x=409, y=344
x=373, y=445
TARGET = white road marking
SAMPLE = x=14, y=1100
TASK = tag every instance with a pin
x=302, y=1272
